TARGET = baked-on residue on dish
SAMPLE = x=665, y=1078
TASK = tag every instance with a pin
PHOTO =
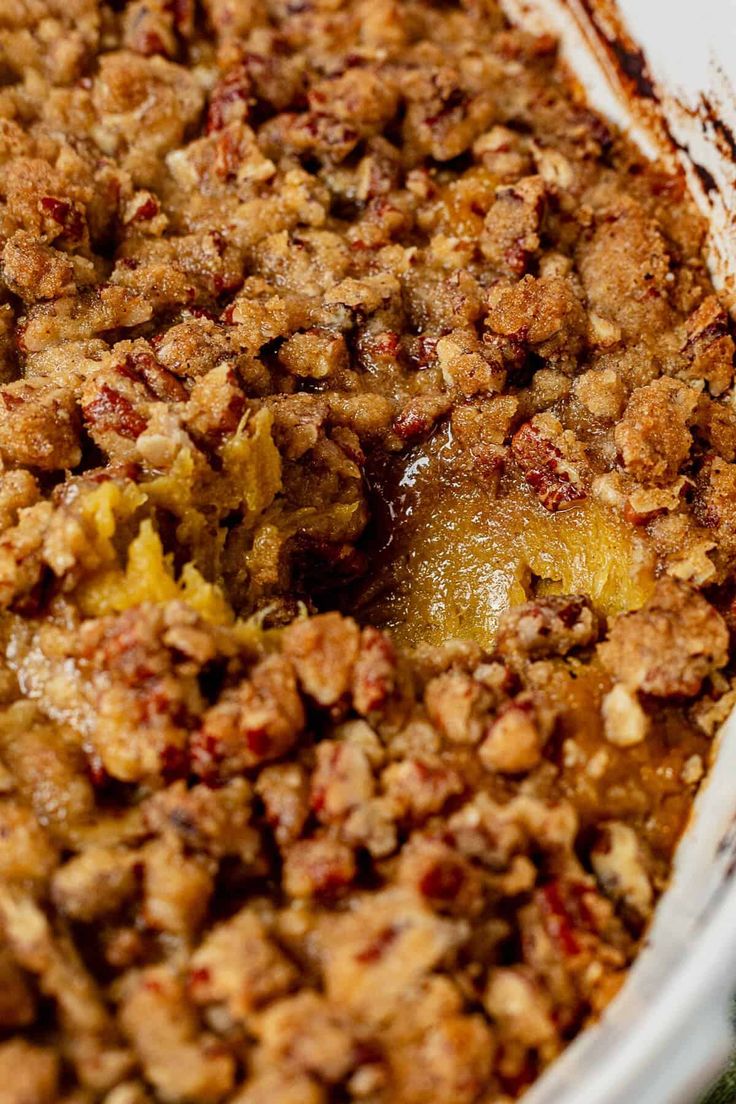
x=367, y=551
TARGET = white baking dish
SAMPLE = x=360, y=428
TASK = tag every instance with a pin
x=661, y=68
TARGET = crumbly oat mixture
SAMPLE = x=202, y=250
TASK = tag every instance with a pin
x=311, y=306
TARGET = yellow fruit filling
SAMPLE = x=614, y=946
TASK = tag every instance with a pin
x=460, y=553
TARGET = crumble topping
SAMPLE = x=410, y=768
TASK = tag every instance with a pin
x=367, y=551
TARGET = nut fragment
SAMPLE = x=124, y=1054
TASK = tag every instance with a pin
x=692, y=770
x=624, y=721
x=557, y=482
x=515, y=739
x=619, y=867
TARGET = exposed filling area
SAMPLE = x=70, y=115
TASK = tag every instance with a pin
x=367, y=551
x=449, y=558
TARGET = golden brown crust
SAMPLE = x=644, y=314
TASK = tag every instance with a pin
x=670, y=645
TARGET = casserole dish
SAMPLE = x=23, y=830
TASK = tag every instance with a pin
x=668, y=1033
x=354, y=318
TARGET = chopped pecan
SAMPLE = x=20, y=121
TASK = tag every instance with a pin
x=341, y=781
x=323, y=650
x=618, y=864
x=420, y=787
x=230, y=99
x=240, y=966
x=257, y=721
x=149, y=27
x=313, y=132
x=63, y=218
x=563, y=911
x=374, y=674
x=110, y=411
x=441, y=875
x=708, y=346
x=117, y=402
x=624, y=721
x=515, y=739
x=520, y=1008
x=176, y=1058
x=215, y=407
x=456, y=704
x=318, y=866
x=547, y=626
x=419, y=415
x=556, y=481
x=143, y=207
x=513, y=225
x=284, y=790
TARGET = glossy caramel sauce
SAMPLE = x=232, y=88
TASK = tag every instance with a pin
x=641, y=785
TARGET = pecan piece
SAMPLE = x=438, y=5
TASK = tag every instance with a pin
x=254, y=722
x=63, y=218
x=708, y=346
x=547, y=627
x=419, y=416
x=556, y=481
x=112, y=412
x=512, y=230
x=374, y=674
x=312, y=132
x=515, y=740
x=230, y=99
x=342, y=780
x=323, y=651
x=318, y=866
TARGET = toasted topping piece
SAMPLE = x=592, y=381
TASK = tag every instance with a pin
x=39, y=426
x=620, y=868
x=515, y=739
x=625, y=722
x=547, y=626
x=670, y=645
x=653, y=436
x=552, y=462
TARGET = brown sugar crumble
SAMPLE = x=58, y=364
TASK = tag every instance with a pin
x=367, y=551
